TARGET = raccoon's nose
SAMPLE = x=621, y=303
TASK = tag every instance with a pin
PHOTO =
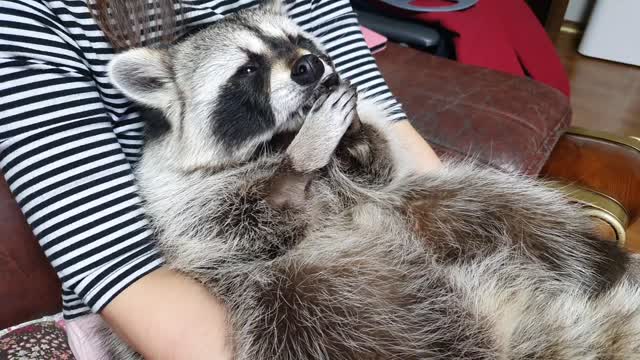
x=307, y=70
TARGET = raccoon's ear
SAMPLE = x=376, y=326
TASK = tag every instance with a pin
x=275, y=6
x=144, y=75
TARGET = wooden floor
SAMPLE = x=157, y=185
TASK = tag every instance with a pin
x=604, y=95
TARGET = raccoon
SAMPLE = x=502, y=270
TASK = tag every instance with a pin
x=277, y=185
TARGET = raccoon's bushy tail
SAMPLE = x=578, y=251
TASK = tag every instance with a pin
x=534, y=315
x=573, y=326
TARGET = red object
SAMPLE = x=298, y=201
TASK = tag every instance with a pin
x=502, y=35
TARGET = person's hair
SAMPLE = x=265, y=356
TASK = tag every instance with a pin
x=127, y=22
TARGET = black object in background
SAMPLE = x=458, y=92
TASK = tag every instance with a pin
x=432, y=38
x=416, y=35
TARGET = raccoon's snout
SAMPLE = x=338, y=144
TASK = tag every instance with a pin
x=307, y=70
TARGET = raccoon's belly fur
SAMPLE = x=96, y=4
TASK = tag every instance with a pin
x=464, y=263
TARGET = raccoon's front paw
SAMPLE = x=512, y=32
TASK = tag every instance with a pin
x=326, y=123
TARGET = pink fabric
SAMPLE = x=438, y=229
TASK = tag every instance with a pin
x=83, y=338
x=375, y=41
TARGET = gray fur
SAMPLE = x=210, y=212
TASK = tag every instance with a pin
x=357, y=256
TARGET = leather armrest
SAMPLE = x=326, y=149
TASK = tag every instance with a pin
x=29, y=288
x=506, y=121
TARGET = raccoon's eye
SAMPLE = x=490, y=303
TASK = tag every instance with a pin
x=247, y=70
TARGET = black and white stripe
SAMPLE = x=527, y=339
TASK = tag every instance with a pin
x=68, y=139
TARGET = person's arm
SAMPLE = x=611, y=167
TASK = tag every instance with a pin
x=62, y=160
x=336, y=24
x=168, y=316
x=416, y=147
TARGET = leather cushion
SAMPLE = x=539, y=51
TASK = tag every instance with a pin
x=29, y=288
x=599, y=164
x=509, y=122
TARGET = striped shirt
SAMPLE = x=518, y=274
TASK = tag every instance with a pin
x=68, y=139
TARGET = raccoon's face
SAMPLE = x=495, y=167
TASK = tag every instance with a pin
x=228, y=88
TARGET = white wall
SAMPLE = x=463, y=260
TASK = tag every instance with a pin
x=578, y=10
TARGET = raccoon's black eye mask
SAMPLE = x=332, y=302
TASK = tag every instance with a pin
x=255, y=64
x=247, y=69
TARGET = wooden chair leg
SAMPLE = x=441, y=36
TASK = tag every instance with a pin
x=556, y=18
x=551, y=14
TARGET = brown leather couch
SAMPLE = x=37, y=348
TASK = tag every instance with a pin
x=507, y=122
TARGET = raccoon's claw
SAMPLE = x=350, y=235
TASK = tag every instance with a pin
x=335, y=103
x=331, y=82
x=319, y=102
x=351, y=101
x=323, y=128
